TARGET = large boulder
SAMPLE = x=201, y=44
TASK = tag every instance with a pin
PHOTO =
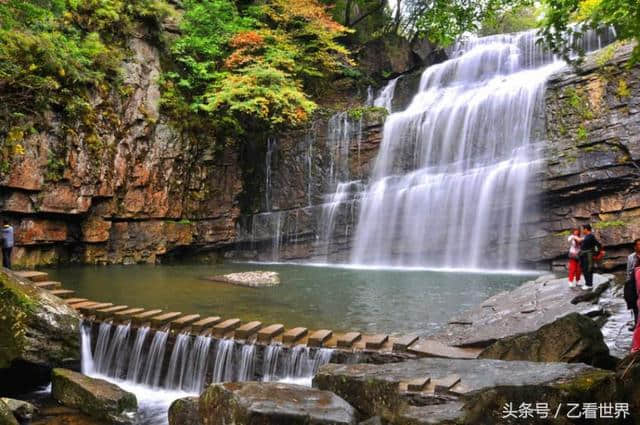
x=629, y=372
x=466, y=391
x=36, y=329
x=6, y=417
x=95, y=397
x=272, y=403
x=184, y=411
x=525, y=309
x=572, y=339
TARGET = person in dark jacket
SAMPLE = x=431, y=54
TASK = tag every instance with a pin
x=7, y=244
x=632, y=287
x=590, y=246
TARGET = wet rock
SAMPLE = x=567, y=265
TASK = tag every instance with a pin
x=372, y=421
x=272, y=403
x=257, y=279
x=184, y=411
x=477, y=395
x=523, y=310
x=573, y=339
x=6, y=417
x=22, y=410
x=387, y=56
x=95, y=397
x=35, y=326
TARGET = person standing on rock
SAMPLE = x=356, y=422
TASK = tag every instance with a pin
x=631, y=286
x=635, y=273
x=588, y=250
x=7, y=244
x=575, y=270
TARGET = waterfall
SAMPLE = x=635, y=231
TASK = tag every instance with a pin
x=178, y=362
x=136, y=358
x=223, y=368
x=246, y=372
x=153, y=367
x=339, y=133
x=86, y=355
x=270, y=362
x=102, y=345
x=197, y=366
x=385, y=98
x=191, y=363
x=449, y=184
x=271, y=146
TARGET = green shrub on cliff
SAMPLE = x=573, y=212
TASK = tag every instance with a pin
x=254, y=69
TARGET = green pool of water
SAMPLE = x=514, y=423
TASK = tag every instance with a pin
x=389, y=301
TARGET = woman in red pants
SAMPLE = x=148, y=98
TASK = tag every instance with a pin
x=574, y=258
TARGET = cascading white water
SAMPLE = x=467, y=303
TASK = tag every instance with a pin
x=385, y=98
x=223, y=368
x=136, y=358
x=198, y=364
x=247, y=364
x=153, y=366
x=449, y=184
x=178, y=362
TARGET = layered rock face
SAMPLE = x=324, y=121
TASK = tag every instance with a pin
x=147, y=190
x=36, y=328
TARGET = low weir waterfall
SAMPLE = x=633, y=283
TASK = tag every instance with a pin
x=146, y=357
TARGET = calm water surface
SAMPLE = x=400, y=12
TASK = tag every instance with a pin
x=389, y=301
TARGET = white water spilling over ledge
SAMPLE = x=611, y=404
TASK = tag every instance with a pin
x=449, y=185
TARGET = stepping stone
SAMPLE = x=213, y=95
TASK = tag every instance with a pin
x=33, y=275
x=418, y=384
x=319, y=337
x=225, y=327
x=75, y=300
x=292, y=335
x=184, y=321
x=375, y=342
x=127, y=314
x=144, y=317
x=348, y=339
x=207, y=322
x=267, y=334
x=90, y=307
x=62, y=293
x=82, y=304
x=109, y=311
x=165, y=318
x=444, y=384
x=248, y=329
x=432, y=348
x=403, y=343
x=48, y=284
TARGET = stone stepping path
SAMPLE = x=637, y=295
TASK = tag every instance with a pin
x=48, y=284
x=223, y=328
x=184, y=321
x=144, y=317
x=109, y=311
x=33, y=276
x=216, y=326
x=318, y=338
x=247, y=330
x=293, y=335
x=62, y=293
x=267, y=334
x=347, y=340
x=205, y=323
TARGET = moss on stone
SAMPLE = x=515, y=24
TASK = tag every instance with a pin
x=608, y=224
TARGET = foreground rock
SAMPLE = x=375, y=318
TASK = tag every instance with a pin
x=572, y=339
x=184, y=411
x=629, y=372
x=22, y=410
x=466, y=391
x=36, y=328
x=258, y=279
x=95, y=397
x=522, y=310
x=265, y=403
x=6, y=417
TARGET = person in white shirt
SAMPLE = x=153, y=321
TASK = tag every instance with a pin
x=575, y=271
